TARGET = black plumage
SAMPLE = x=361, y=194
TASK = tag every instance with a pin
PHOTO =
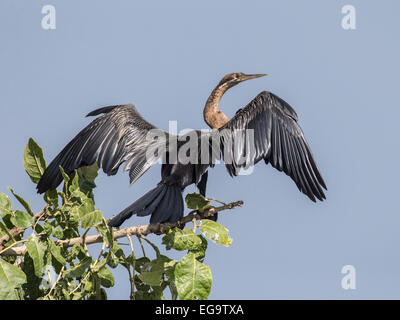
x=278, y=139
x=120, y=136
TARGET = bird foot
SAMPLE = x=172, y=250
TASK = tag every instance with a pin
x=194, y=220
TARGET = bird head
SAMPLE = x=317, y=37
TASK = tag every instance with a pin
x=232, y=79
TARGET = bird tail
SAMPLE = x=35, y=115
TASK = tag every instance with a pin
x=164, y=203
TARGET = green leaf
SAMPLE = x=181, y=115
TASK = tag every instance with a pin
x=76, y=193
x=51, y=197
x=151, y=272
x=58, y=233
x=77, y=295
x=90, y=219
x=173, y=290
x=5, y=205
x=88, y=216
x=169, y=269
x=48, y=227
x=74, y=183
x=79, y=269
x=139, y=263
x=11, y=277
x=99, y=264
x=197, y=202
x=200, y=252
x=88, y=285
x=73, y=216
x=106, y=277
x=64, y=175
x=153, y=277
x=5, y=230
x=182, y=240
x=36, y=250
x=34, y=162
x=192, y=278
x=215, y=232
x=21, y=219
x=76, y=251
x=106, y=232
x=89, y=172
x=56, y=252
x=116, y=256
x=66, y=294
x=87, y=175
x=24, y=203
x=31, y=287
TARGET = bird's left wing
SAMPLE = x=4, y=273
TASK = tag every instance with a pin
x=267, y=129
x=119, y=136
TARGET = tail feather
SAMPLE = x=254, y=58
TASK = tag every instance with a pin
x=178, y=208
x=164, y=203
x=153, y=205
x=164, y=208
x=139, y=206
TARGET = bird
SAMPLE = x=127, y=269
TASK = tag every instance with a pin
x=120, y=135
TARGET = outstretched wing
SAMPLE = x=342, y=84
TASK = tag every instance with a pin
x=278, y=139
x=118, y=136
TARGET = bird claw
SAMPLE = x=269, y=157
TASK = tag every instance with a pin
x=194, y=220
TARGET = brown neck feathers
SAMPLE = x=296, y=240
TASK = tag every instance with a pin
x=212, y=116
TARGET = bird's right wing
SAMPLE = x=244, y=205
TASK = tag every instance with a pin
x=120, y=135
x=278, y=139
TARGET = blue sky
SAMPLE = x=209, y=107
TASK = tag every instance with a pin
x=166, y=57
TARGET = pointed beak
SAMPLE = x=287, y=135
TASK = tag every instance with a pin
x=252, y=76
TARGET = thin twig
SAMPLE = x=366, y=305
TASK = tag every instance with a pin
x=151, y=244
x=12, y=245
x=130, y=243
x=132, y=275
x=141, y=245
x=54, y=285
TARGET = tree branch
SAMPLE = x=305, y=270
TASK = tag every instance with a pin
x=14, y=232
x=137, y=230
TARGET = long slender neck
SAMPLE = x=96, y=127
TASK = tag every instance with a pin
x=212, y=116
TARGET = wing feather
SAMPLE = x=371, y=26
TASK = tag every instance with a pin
x=278, y=139
x=118, y=136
